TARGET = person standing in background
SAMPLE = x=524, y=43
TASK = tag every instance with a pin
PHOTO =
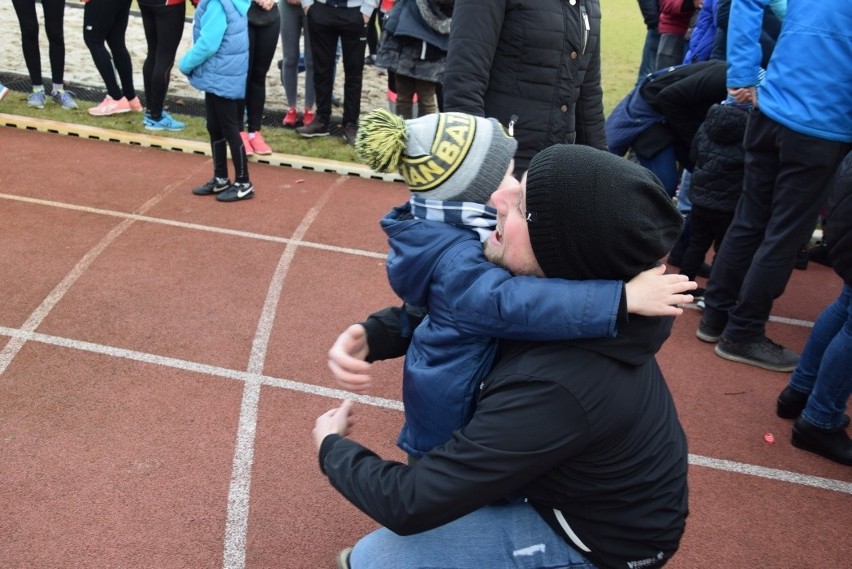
x=675, y=16
x=54, y=14
x=105, y=24
x=294, y=23
x=163, y=21
x=651, y=15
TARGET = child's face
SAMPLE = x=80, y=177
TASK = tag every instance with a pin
x=509, y=245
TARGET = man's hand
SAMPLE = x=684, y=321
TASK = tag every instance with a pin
x=346, y=360
x=654, y=293
x=744, y=95
x=334, y=422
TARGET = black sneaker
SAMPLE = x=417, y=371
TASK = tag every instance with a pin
x=833, y=444
x=316, y=128
x=349, y=132
x=763, y=353
x=707, y=332
x=238, y=191
x=214, y=186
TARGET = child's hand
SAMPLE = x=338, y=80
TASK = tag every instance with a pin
x=346, y=360
x=334, y=422
x=654, y=293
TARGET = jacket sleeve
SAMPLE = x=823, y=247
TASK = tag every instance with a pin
x=490, y=301
x=744, y=52
x=213, y=26
x=589, y=113
x=474, y=36
x=386, y=338
x=520, y=431
x=650, y=13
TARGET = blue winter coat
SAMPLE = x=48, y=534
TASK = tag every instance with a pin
x=701, y=40
x=218, y=60
x=471, y=302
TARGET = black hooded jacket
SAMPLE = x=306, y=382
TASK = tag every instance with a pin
x=586, y=431
x=532, y=63
x=719, y=156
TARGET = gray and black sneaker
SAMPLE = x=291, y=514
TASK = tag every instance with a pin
x=65, y=99
x=708, y=332
x=349, y=132
x=238, y=191
x=214, y=186
x=761, y=353
x=316, y=128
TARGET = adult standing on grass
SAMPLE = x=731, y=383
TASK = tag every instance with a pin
x=54, y=27
x=264, y=25
x=797, y=134
x=574, y=456
x=163, y=21
x=105, y=24
x=534, y=66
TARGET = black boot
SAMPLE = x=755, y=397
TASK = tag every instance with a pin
x=833, y=444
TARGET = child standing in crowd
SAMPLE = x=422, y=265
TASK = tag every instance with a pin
x=163, y=21
x=293, y=24
x=54, y=14
x=263, y=29
x=452, y=163
x=217, y=64
x=104, y=24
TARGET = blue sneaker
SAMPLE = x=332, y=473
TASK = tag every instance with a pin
x=3, y=91
x=168, y=122
x=65, y=99
x=37, y=99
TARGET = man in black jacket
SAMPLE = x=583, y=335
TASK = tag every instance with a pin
x=534, y=65
x=574, y=456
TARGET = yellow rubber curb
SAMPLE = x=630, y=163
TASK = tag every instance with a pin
x=189, y=146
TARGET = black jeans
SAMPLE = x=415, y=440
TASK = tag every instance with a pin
x=54, y=14
x=327, y=25
x=785, y=185
x=263, y=41
x=707, y=227
x=163, y=31
x=223, y=125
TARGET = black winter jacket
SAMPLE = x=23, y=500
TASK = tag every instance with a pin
x=585, y=430
x=838, y=225
x=534, y=65
x=719, y=157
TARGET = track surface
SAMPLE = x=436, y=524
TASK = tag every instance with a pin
x=162, y=359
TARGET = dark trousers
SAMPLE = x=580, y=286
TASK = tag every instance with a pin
x=263, y=41
x=223, y=125
x=54, y=14
x=163, y=31
x=707, y=227
x=105, y=24
x=785, y=184
x=326, y=25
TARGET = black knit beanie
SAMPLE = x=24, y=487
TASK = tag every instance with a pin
x=595, y=215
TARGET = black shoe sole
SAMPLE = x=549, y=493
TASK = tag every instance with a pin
x=757, y=363
x=312, y=135
x=707, y=337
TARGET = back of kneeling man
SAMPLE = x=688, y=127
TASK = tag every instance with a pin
x=574, y=456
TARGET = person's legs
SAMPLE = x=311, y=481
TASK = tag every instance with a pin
x=353, y=38
x=28, y=22
x=700, y=239
x=54, y=27
x=649, y=54
x=670, y=51
x=218, y=142
x=116, y=42
x=511, y=535
x=97, y=16
x=291, y=25
x=263, y=50
x=427, y=102
x=323, y=39
x=664, y=165
x=405, y=96
x=163, y=31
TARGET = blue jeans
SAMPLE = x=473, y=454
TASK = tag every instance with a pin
x=511, y=535
x=664, y=165
x=649, y=54
x=825, y=368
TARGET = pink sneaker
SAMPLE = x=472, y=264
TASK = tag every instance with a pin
x=290, y=118
x=110, y=106
x=135, y=105
x=308, y=117
x=259, y=145
x=246, y=143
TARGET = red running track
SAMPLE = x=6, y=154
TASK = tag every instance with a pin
x=163, y=360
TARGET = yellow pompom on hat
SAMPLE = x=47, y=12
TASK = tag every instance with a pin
x=443, y=156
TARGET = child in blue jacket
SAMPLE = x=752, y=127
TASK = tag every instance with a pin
x=452, y=163
x=217, y=64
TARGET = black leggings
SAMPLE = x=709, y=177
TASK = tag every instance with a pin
x=54, y=14
x=263, y=42
x=163, y=32
x=223, y=126
x=105, y=22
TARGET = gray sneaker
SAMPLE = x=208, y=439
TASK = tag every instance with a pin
x=65, y=99
x=763, y=353
x=316, y=128
x=37, y=99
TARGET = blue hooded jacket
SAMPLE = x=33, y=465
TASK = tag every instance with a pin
x=218, y=60
x=470, y=303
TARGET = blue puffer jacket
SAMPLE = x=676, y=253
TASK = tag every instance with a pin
x=218, y=60
x=471, y=302
x=808, y=78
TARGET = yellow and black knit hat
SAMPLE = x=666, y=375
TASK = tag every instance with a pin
x=444, y=156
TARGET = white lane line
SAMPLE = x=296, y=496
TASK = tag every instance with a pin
x=11, y=349
x=239, y=493
x=391, y=404
x=195, y=226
